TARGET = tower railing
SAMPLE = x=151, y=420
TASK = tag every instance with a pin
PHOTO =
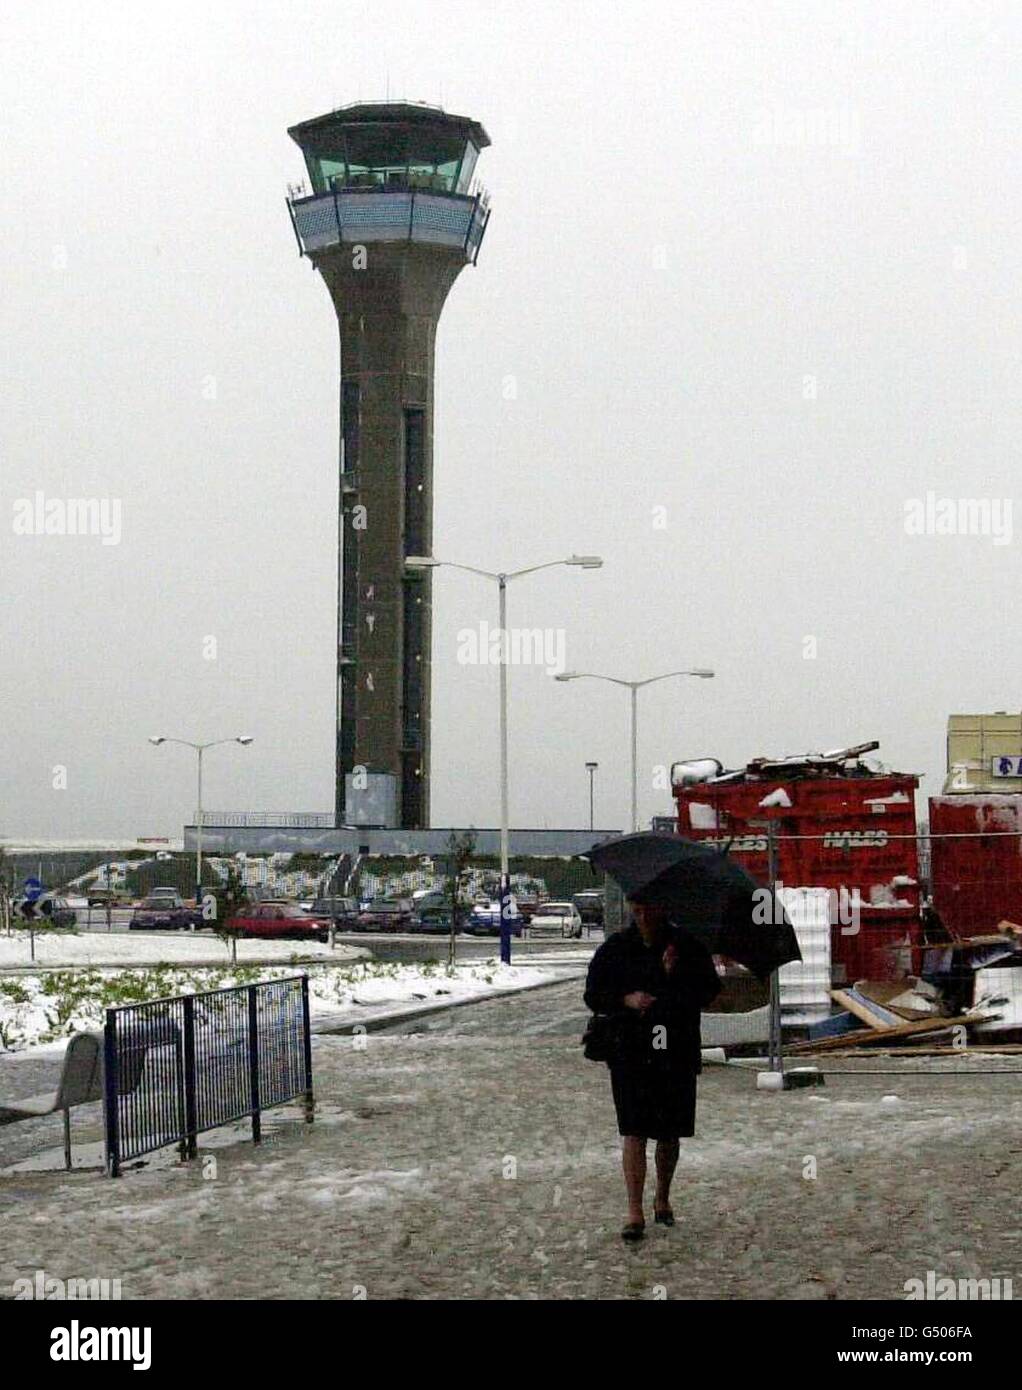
x=218, y=820
x=382, y=213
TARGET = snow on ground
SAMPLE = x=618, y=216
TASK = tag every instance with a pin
x=147, y=948
x=42, y=1010
x=478, y=1157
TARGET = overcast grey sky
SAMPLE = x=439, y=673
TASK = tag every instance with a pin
x=755, y=264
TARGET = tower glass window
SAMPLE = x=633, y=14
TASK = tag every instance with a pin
x=415, y=482
x=389, y=155
x=468, y=165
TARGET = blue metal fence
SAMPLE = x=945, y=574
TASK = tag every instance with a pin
x=174, y=1068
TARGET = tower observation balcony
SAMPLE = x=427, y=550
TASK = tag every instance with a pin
x=383, y=172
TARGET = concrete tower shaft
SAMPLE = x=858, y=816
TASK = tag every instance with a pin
x=389, y=225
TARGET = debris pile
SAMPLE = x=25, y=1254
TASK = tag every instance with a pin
x=968, y=993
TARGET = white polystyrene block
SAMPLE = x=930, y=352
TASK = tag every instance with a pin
x=769, y=1081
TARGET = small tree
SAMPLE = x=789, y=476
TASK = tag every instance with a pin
x=5, y=895
x=460, y=849
x=231, y=899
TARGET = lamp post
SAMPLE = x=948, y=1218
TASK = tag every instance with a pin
x=591, y=769
x=200, y=748
x=589, y=562
x=634, y=687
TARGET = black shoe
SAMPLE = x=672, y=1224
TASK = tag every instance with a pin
x=664, y=1218
x=635, y=1230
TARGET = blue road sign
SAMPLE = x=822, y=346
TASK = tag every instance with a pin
x=33, y=889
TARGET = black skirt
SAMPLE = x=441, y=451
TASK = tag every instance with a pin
x=652, y=1100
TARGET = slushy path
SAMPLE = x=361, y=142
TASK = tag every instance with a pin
x=475, y=1155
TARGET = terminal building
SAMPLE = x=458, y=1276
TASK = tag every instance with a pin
x=984, y=753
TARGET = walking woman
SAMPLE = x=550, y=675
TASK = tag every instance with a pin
x=647, y=985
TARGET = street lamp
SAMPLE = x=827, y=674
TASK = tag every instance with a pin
x=591, y=769
x=422, y=562
x=200, y=748
x=634, y=687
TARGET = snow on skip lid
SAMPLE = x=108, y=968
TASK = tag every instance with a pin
x=895, y=799
x=777, y=798
x=882, y=895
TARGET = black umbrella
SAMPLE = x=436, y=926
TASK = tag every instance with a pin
x=707, y=893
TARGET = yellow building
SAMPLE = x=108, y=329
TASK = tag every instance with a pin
x=984, y=753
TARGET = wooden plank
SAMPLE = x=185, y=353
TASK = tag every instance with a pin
x=855, y=1006
x=974, y=1050
x=869, y=1036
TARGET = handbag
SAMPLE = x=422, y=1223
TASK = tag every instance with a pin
x=602, y=1040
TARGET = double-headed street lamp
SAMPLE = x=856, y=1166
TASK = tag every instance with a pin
x=421, y=562
x=634, y=687
x=200, y=748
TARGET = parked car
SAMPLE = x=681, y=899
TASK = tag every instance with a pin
x=527, y=904
x=343, y=912
x=433, y=919
x=55, y=912
x=280, y=920
x=164, y=913
x=556, y=919
x=484, y=919
x=168, y=895
x=425, y=898
x=100, y=897
x=590, y=906
x=387, y=914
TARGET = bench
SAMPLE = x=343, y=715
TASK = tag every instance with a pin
x=81, y=1083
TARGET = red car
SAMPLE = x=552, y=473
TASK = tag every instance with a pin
x=279, y=920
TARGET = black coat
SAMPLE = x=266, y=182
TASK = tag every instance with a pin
x=624, y=964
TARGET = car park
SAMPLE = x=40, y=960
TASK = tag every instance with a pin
x=556, y=919
x=279, y=920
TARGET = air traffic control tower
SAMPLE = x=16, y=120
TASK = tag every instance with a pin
x=392, y=217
